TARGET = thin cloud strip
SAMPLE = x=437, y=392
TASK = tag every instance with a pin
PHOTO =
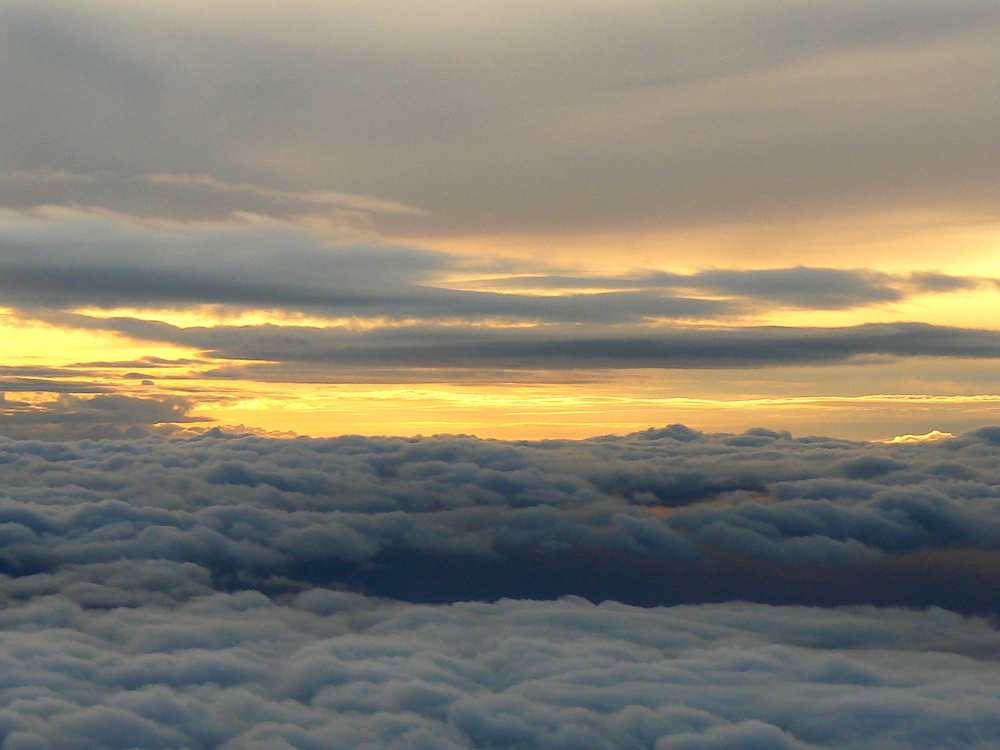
x=802, y=286
x=189, y=197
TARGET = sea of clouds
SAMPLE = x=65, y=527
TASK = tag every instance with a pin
x=667, y=590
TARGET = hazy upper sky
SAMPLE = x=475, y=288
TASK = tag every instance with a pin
x=502, y=218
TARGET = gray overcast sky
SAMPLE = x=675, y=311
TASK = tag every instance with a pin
x=512, y=116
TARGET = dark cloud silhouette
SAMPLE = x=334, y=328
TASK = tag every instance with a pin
x=41, y=385
x=818, y=288
x=107, y=415
x=555, y=347
x=73, y=259
x=36, y=371
x=940, y=282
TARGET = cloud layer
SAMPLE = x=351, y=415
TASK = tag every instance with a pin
x=381, y=308
x=216, y=591
x=435, y=193
x=64, y=259
x=555, y=348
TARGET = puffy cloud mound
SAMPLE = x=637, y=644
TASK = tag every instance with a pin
x=666, y=516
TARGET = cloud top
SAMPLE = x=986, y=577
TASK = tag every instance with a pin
x=661, y=517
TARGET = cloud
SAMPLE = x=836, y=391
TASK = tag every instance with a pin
x=62, y=260
x=193, y=198
x=106, y=415
x=334, y=670
x=821, y=288
x=560, y=348
x=800, y=286
x=66, y=259
x=93, y=259
x=932, y=435
x=668, y=589
x=28, y=384
x=662, y=517
x=225, y=590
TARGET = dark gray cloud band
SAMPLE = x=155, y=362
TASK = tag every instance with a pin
x=562, y=347
x=79, y=260
x=109, y=414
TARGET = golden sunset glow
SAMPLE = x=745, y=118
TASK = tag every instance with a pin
x=701, y=220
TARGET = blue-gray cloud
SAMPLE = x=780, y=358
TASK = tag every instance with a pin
x=800, y=286
x=104, y=415
x=85, y=260
x=662, y=517
x=332, y=670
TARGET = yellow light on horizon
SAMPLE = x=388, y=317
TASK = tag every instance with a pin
x=29, y=342
x=890, y=241
x=537, y=412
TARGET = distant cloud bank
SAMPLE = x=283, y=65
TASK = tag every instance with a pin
x=64, y=259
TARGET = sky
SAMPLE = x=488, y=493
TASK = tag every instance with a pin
x=508, y=219
x=568, y=375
